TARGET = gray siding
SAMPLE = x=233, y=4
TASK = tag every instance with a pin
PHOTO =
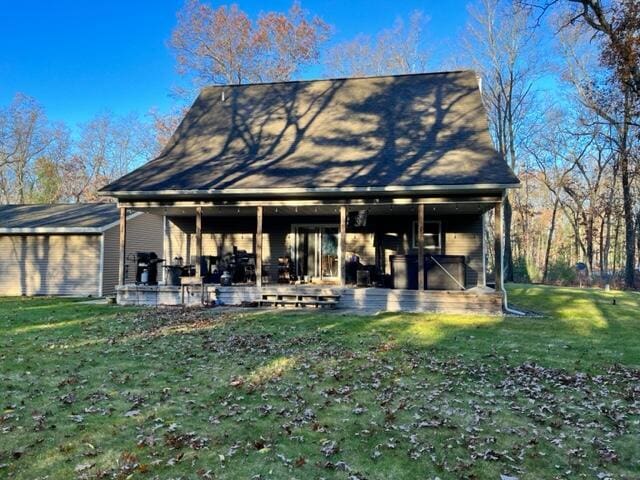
x=362, y=245
x=460, y=235
x=463, y=236
x=221, y=234
x=144, y=234
x=384, y=236
x=49, y=265
x=183, y=244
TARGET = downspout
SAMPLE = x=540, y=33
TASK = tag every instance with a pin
x=506, y=308
x=505, y=303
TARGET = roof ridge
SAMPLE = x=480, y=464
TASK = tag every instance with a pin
x=334, y=79
x=57, y=204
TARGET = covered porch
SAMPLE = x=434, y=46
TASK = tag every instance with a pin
x=385, y=254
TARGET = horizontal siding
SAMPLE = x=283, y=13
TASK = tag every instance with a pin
x=384, y=235
x=111, y=260
x=362, y=245
x=144, y=234
x=181, y=244
x=463, y=236
x=460, y=235
x=49, y=265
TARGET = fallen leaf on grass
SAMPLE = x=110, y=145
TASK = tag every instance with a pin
x=329, y=448
x=83, y=467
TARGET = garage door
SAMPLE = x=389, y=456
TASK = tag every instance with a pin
x=49, y=265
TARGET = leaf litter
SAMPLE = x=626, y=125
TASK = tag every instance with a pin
x=356, y=405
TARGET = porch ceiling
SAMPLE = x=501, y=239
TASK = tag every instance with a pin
x=314, y=210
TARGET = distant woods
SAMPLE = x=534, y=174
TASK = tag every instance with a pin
x=45, y=162
x=560, y=80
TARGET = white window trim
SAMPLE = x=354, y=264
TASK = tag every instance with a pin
x=101, y=271
x=414, y=236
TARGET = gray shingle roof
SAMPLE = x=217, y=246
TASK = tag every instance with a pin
x=78, y=216
x=376, y=132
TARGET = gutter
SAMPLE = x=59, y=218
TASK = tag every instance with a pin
x=315, y=190
x=64, y=230
x=27, y=230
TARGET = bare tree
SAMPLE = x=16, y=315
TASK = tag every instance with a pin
x=616, y=23
x=614, y=95
x=615, y=107
x=165, y=123
x=396, y=50
x=107, y=148
x=225, y=46
x=502, y=48
x=25, y=135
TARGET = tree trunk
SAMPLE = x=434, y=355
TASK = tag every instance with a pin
x=549, y=240
x=627, y=202
x=589, y=246
x=638, y=231
x=630, y=229
x=616, y=244
x=508, y=256
x=603, y=262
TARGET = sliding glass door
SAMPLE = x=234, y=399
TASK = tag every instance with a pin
x=329, y=257
x=316, y=251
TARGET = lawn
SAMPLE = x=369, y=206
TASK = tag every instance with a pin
x=97, y=391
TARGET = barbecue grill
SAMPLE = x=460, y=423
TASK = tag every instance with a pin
x=147, y=262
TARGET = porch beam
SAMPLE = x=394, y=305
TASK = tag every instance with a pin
x=498, y=245
x=343, y=245
x=489, y=200
x=421, y=247
x=259, y=247
x=198, y=242
x=123, y=244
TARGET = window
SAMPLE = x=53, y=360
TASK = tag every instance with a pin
x=432, y=236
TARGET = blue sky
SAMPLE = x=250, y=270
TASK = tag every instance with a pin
x=80, y=58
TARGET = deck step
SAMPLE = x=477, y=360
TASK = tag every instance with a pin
x=298, y=303
x=299, y=299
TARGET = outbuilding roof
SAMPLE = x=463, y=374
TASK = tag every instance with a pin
x=58, y=218
x=390, y=133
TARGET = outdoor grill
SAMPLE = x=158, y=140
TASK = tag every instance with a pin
x=147, y=268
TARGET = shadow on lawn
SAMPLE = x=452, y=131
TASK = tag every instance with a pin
x=266, y=346
x=578, y=325
x=583, y=310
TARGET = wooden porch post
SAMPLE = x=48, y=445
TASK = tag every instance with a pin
x=498, y=241
x=198, y=242
x=343, y=245
x=420, y=246
x=259, y=247
x=123, y=243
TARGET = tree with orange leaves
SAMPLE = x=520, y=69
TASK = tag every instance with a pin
x=225, y=46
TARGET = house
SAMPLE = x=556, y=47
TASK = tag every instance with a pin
x=383, y=182
x=69, y=249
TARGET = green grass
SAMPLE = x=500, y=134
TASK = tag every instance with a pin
x=97, y=391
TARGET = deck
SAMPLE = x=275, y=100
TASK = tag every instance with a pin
x=475, y=300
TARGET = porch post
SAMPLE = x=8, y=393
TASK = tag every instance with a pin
x=123, y=243
x=343, y=245
x=259, y=247
x=420, y=246
x=498, y=241
x=198, y=242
